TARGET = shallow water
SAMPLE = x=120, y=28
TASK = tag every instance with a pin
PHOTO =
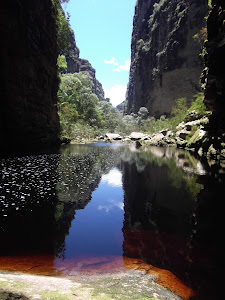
x=104, y=208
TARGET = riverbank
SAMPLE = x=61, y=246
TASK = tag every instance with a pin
x=123, y=285
x=192, y=134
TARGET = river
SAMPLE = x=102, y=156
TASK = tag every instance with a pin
x=104, y=208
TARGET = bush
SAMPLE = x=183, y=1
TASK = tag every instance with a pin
x=62, y=64
x=81, y=112
x=198, y=105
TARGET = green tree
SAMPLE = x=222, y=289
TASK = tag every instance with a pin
x=62, y=64
x=77, y=103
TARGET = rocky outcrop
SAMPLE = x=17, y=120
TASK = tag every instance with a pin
x=165, y=62
x=85, y=66
x=213, y=78
x=72, y=54
x=28, y=78
x=75, y=64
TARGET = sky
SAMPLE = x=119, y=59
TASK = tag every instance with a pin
x=103, y=30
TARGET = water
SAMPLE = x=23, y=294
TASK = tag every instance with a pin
x=102, y=208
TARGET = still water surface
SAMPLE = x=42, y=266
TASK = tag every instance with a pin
x=104, y=208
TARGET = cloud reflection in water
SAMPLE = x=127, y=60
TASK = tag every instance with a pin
x=113, y=179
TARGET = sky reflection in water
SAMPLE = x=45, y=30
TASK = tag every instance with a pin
x=97, y=229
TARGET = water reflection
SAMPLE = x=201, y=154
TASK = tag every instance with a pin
x=171, y=219
x=102, y=208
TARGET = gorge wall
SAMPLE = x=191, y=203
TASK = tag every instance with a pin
x=213, y=77
x=28, y=78
x=165, y=61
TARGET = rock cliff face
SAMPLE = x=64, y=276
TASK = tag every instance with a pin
x=165, y=62
x=85, y=66
x=28, y=78
x=72, y=54
x=75, y=64
x=214, y=74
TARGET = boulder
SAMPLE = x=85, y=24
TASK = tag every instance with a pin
x=164, y=132
x=156, y=139
x=180, y=142
x=169, y=133
x=113, y=136
x=222, y=154
x=137, y=136
x=182, y=134
x=191, y=116
x=65, y=141
x=212, y=152
x=196, y=139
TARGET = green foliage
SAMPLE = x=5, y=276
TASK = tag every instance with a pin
x=62, y=64
x=178, y=112
x=143, y=113
x=62, y=26
x=198, y=105
x=127, y=124
x=141, y=121
x=81, y=113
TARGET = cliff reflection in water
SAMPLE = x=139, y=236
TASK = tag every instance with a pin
x=172, y=220
x=39, y=197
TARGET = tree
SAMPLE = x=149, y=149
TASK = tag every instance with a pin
x=62, y=64
x=143, y=113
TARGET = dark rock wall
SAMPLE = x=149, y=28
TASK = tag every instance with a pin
x=214, y=74
x=28, y=77
x=165, y=62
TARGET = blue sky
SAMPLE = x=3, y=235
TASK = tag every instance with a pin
x=103, y=30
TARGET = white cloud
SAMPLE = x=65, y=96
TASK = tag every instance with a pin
x=113, y=178
x=111, y=206
x=125, y=67
x=117, y=94
x=111, y=62
x=118, y=204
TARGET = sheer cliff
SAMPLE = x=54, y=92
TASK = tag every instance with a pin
x=28, y=78
x=213, y=77
x=165, y=61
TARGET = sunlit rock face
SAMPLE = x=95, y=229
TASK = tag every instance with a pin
x=165, y=61
x=72, y=54
x=214, y=74
x=75, y=64
x=28, y=79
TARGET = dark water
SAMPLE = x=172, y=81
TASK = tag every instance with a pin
x=105, y=208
